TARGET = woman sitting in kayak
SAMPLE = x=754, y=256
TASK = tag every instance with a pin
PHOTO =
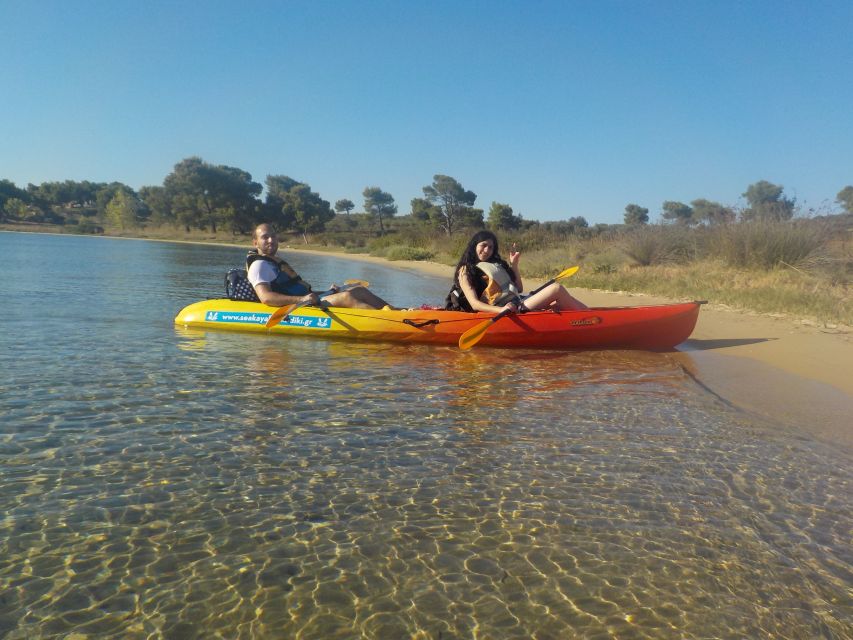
x=484, y=281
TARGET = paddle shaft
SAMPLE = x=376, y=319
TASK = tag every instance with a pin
x=283, y=312
x=320, y=296
x=538, y=289
x=564, y=274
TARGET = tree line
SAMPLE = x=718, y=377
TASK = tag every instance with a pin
x=765, y=201
x=200, y=195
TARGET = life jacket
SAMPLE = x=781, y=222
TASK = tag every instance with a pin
x=493, y=285
x=500, y=287
x=287, y=281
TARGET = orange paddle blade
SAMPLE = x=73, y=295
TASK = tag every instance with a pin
x=473, y=335
x=278, y=314
x=476, y=333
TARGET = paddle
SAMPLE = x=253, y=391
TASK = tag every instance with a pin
x=282, y=312
x=475, y=333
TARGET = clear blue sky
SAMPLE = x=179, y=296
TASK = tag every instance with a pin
x=557, y=108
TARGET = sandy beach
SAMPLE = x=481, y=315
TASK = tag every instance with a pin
x=786, y=370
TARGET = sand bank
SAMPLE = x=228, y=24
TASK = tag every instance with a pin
x=791, y=372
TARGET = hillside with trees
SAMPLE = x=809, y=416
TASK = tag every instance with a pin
x=767, y=254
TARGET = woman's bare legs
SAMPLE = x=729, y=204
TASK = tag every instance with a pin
x=554, y=295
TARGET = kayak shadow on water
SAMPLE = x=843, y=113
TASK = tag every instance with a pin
x=705, y=345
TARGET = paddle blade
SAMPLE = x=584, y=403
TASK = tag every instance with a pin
x=277, y=315
x=476, y=333
x=566, y=273
x=473, y=335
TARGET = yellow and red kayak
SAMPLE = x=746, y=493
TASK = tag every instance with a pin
x=649, y=327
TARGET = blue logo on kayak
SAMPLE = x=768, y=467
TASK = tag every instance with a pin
x=307, y=321
x=241, y=317
x=249, y=317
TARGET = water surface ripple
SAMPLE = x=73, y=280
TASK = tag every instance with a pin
x=158, y=482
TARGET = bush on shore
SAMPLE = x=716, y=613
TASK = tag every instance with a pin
x=765, y=244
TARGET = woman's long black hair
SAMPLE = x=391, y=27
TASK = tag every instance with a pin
x=469, y=257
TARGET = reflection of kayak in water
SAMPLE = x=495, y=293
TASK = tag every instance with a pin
x=651, y=327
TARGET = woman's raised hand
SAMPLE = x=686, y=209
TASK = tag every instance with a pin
x=514, y=255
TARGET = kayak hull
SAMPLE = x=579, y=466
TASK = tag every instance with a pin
x=649, y=327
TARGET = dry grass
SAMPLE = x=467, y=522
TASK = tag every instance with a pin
x=779, y=291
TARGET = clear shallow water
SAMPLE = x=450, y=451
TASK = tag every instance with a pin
x=160, y=482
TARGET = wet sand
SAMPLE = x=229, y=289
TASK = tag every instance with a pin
x=791, y=372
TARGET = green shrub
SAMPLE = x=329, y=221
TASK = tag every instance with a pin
x=838, y=272
x=401, y=252
x=348, y=241
x=601, y=258
x=659, y=245
x=378, y=246
x=603, y=268
x=87, y=226
x=768, y=244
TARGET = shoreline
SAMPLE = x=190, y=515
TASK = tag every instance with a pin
x=785, y=370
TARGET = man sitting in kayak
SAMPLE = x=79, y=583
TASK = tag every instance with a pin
x=277, y=284
x=484, y=281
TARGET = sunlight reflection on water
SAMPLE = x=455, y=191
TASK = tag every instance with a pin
x=162, y=481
